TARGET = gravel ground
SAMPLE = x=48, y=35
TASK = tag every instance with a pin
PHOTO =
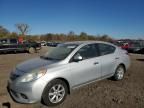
x=128, y=93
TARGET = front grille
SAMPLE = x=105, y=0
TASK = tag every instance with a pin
x=14, y=93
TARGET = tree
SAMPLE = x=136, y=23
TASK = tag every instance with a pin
x=70, y=36
x=3, y=30
x=23, y=28
x=14, y=35
x=71, y=33
x=83, y=36
x=49, y=37
x=106, y=38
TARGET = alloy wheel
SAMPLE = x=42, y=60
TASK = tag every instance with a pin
x=56, y=93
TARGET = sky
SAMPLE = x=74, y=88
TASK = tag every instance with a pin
x=117, y=18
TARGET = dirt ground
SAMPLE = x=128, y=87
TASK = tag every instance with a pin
x=128, y=93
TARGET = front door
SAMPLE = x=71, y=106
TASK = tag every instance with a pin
x=4, y=45
x=89, y=68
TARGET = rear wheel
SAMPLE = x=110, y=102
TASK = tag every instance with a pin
x=32, y=50
x=55, y=93
x=119, y=73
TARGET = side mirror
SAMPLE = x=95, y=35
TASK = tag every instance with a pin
x=78, y=57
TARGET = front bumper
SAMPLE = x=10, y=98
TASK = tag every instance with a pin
x=30, y=92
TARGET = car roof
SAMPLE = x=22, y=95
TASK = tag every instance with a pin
x=87, y=42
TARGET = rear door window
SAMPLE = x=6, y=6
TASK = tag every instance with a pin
x=106, y=49
x=13, y=41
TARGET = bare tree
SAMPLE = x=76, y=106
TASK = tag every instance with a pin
x=23, y=28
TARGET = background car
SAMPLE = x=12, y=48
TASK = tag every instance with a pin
x=43, y=43
x=13, y=45
x=53, y=44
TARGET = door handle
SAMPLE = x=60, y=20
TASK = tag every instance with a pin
x=95, y=63
x=117, y=58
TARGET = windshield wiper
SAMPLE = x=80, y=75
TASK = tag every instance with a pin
x=48, y=58
x=44, y=57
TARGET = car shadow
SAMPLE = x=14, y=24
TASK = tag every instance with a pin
x=6, y=105
x=140, y=60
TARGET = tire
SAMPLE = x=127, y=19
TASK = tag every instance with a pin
x=54, y=93
x=119, y=73
x=15, y=51
x=31, y=50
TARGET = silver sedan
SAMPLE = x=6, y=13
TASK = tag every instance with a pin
x=49, y=78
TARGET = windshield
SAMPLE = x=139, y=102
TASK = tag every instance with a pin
x=60, y=52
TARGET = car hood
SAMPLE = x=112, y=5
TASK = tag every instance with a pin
x=32, y=64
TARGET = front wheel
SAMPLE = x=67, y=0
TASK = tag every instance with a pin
x=54, y=93
x=119, y=73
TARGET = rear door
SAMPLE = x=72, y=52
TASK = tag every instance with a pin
x=107, y=58
x=89, y=68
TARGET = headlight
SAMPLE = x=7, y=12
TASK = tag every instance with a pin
x=33, y=75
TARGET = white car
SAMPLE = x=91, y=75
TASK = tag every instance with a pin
x=43, y=43
x=51, y=77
